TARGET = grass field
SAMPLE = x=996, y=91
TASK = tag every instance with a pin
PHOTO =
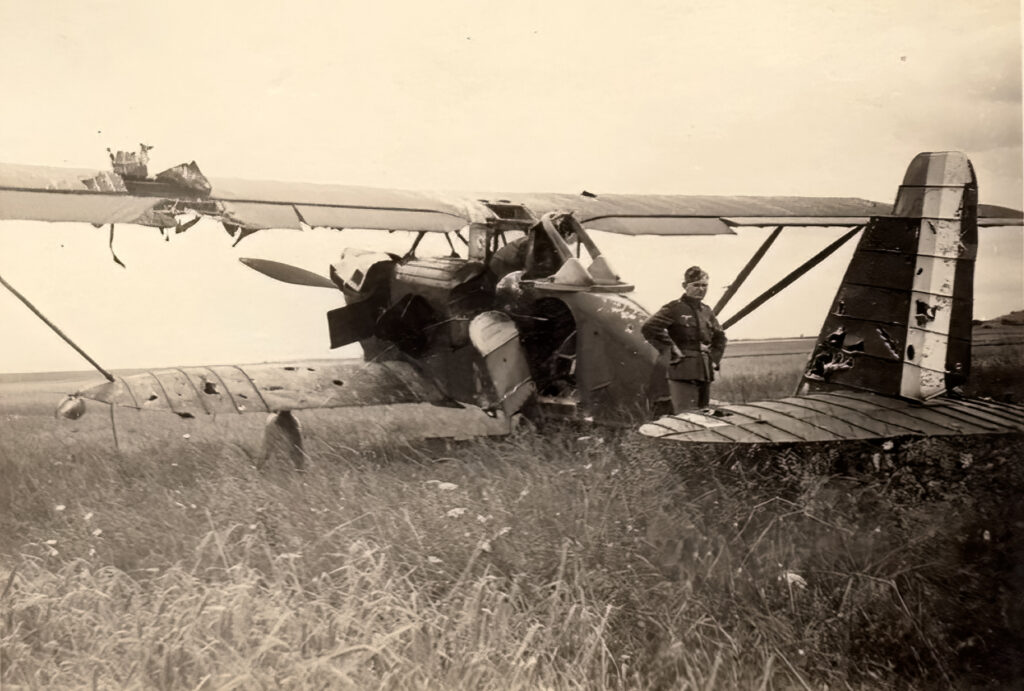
x=577, y=559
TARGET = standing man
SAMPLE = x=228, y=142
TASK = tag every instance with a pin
x=687, y=329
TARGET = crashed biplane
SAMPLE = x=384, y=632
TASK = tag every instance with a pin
x=516, y=321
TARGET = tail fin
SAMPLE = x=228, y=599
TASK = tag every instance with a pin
x=900, y=324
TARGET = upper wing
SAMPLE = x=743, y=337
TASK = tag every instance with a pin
x=37, y=193
x=674, y=214
x=40, y=193
x=99, y=197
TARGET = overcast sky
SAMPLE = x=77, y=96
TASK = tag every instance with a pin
x=822, y=98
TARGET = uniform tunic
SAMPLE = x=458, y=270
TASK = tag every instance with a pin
x=691, y=326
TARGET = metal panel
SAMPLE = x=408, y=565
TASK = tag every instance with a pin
x=496, y=338
x=444, y=273
x=353, y=322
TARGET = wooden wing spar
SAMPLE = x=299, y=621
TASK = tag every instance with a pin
x=128, y=194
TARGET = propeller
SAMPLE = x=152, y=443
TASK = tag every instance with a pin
x=288, y=273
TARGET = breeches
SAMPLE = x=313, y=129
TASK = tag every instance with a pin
x=688, y=395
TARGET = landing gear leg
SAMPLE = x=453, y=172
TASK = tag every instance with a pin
x=282, y=439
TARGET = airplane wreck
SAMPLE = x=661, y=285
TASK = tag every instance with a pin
x=527, y=317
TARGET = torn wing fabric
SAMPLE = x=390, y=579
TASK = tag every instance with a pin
x=40, y=193
x=37, y=193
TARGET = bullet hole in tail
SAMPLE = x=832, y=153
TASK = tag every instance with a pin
x=337, y=382
x=854, y=345
x=828, y=363
x=910, y=352
x=836, y=354
x=210, y=389
x=889, y=342
x=836, y=338
x=924, y=313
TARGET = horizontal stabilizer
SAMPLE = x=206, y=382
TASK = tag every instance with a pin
x=837, y=416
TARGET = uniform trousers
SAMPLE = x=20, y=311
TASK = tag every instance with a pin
x=689, y=395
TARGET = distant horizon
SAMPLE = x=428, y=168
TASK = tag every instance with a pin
x=77, y=373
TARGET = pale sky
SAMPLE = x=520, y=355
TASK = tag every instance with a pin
x=823, y=98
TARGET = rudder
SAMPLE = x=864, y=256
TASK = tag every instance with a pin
x=900, y=324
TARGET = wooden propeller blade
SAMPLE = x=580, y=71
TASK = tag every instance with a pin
x=288, y=273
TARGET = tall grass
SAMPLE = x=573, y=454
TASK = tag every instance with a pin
x=758, y=379
x=564, y=561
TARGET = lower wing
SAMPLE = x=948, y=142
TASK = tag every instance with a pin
x=303, y=385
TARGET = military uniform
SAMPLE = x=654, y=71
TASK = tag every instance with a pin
x=691, y=326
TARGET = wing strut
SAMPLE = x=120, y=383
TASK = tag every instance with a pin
x=415, y=243
x=793, y=275
x=745, y=271
x=56, y=330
